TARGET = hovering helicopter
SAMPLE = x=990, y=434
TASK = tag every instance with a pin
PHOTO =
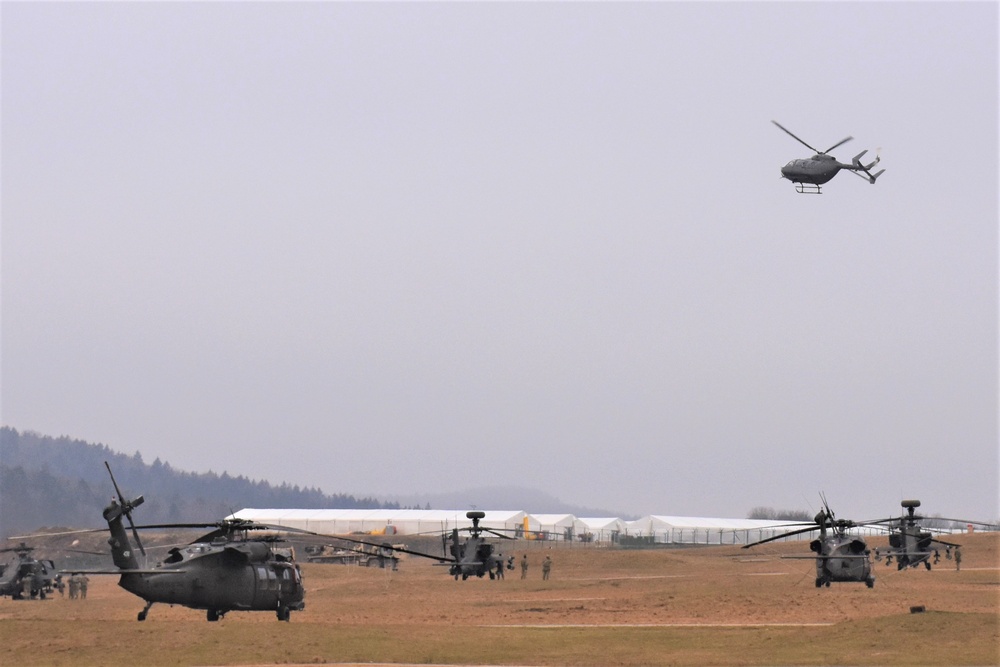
x=909, y=543
x=473, y=557
x=27, y=578
x=839, y=555
x=219, y=572
x=808, y=174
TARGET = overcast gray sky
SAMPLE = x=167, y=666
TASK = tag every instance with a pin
x=403, y=248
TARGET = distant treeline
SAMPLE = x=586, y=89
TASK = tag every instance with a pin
x=60, y=482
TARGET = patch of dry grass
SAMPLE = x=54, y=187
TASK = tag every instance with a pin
x=706, y=606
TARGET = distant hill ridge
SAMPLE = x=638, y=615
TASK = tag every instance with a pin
x=48, y=481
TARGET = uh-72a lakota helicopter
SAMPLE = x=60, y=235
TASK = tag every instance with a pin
x=808, y=174
x=222, y=571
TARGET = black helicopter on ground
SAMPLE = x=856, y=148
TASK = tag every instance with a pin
x=475, y=557
x=222, y=571
x=840, y=556
x=910, y=544
x=808, y=174
x=27, y=578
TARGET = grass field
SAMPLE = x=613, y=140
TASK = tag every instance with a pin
x=602, y=606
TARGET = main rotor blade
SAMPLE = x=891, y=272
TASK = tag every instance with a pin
x=839, y=143
x=121, y=498
x=966, y=521
x=493, y=532
x=788, y=132
x=783, y=535
x=64, y=532
x=950, y=544
x=389, y=546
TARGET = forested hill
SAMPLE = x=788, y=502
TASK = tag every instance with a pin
x=61, y=482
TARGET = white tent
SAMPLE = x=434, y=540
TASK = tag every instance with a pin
x=556, y=526
x=603, y=529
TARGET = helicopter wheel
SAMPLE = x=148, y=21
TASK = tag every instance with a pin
x=870, y=582
x=927, y=564
x=213, y=615
x=819, y=582
x=141, y=616
x=284, y=614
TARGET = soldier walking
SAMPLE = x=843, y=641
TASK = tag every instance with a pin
x=958, y=558
x=524, y=567
x=546, y=568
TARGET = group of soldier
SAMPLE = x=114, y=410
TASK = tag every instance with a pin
x=546, y=567
x=78, y=586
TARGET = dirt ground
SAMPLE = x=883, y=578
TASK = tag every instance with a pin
x=601, y=606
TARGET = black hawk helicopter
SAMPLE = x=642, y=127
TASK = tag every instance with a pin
x=808, y=174
x=839, y=555
x=909, y=543
x=222, y=571
x=27, y=578
x=475, y=557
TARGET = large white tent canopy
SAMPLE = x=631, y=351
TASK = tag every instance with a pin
x=661, y=529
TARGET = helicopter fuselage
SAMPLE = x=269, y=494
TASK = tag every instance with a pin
x=817, y=170
x=473, y=558
x=242, y=576
x=842, y=558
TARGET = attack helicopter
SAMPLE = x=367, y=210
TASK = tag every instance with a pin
x=808, y=174
x=221, y=571
x=909, y=543
x=473, y=557
x=27, y=578
x=839, y=555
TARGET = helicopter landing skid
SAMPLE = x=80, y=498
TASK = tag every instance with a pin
x=808, y=189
